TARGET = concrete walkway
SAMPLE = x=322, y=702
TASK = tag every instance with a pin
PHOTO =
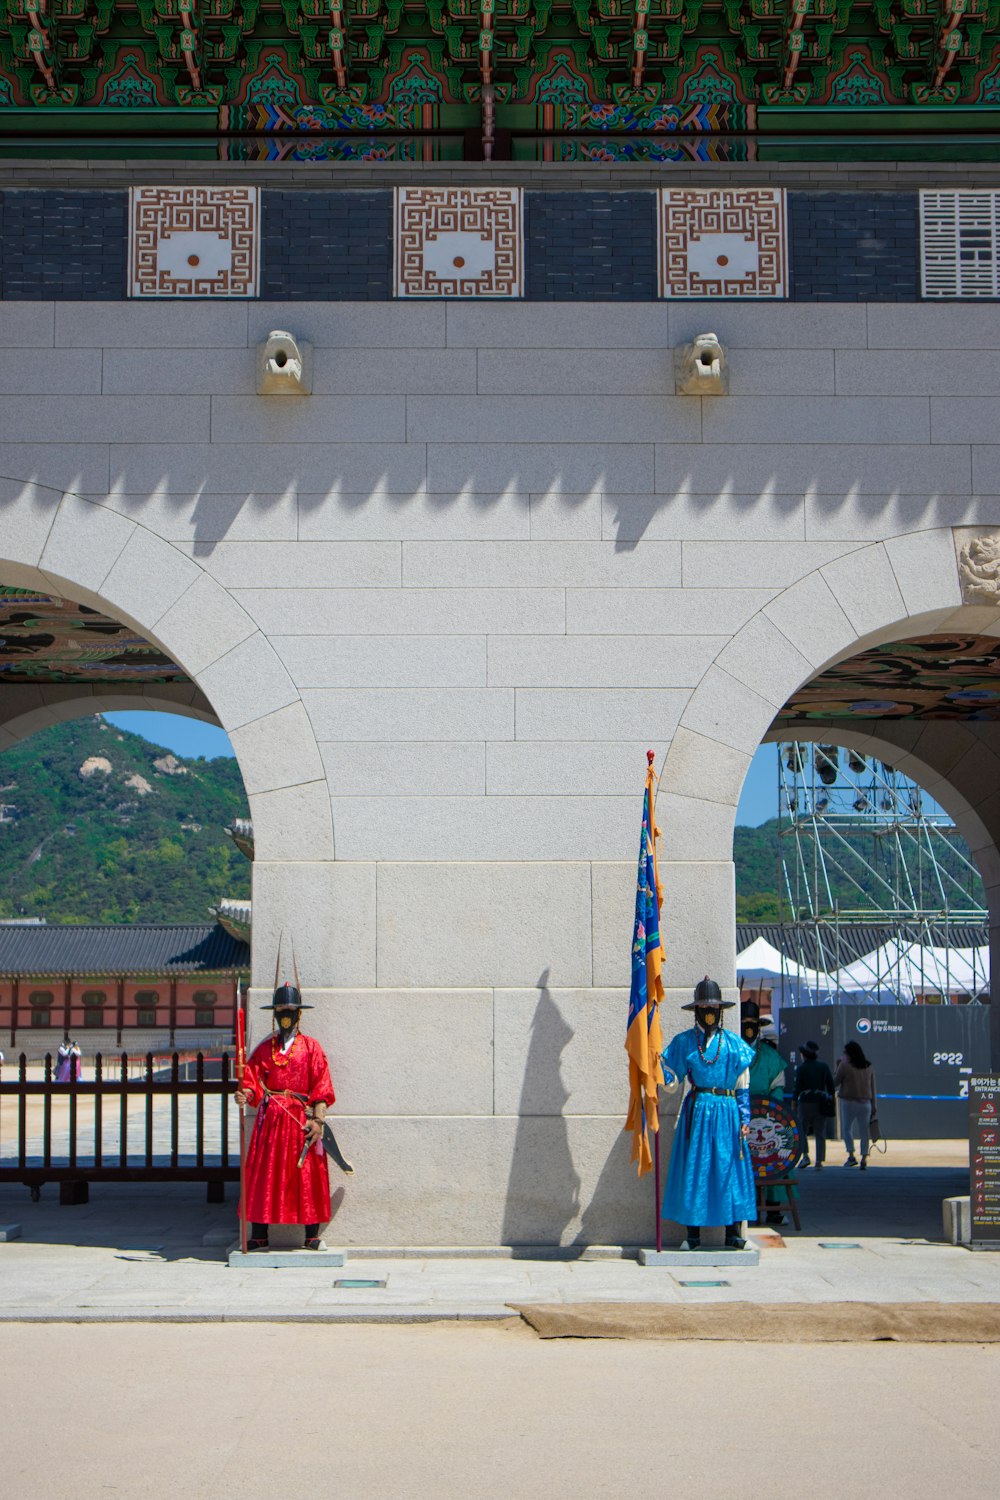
x=140, y=1253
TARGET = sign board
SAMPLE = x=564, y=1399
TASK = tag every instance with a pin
x=923, y=1055
x=984, y=1158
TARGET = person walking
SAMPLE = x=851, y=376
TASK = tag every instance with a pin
x=855, y=1082
x=815, y=1101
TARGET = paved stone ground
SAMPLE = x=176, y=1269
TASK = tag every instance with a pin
x=486, y=1413
x=139, y=1253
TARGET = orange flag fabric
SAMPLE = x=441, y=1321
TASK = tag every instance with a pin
x=643, y=1038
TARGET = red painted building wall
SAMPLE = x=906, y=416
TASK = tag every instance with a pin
x=158, y=1003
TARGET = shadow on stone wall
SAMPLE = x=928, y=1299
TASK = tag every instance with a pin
x=623, y=1207
x=543, y=1188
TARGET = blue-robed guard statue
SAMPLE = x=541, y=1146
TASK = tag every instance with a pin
x=710, y=1180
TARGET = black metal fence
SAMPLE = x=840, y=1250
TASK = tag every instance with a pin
x=170, y=1124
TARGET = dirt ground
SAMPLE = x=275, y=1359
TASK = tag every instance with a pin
x=477, y=1411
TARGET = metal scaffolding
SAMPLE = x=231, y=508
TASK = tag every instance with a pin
x=860, y=843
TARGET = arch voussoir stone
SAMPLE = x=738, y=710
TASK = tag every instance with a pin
x=60, y=542
x=870, y=595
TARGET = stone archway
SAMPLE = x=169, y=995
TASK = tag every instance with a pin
x=25, y=709
x=85, y=551
x=889, y=591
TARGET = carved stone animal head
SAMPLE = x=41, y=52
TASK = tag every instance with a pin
x=283, y=366
x=700, y=367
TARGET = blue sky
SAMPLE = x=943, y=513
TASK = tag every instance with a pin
x=759, y=798
x=188, y=737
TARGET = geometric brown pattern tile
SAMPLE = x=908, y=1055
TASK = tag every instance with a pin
x=459, y=242
x=722, y=242
x=194, y=241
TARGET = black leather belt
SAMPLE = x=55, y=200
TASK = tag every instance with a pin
x=722, y=1093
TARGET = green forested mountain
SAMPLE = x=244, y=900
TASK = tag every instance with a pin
x=97, y=825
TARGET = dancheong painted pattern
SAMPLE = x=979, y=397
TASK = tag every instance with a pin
x=47, y=639
x=557, y=79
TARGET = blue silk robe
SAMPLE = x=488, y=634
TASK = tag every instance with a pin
x=710, y=1181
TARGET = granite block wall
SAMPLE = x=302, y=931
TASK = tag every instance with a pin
x=444, y=605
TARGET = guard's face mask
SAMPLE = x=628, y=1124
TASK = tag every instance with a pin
x=751, y=1031
x=286, y=1019
x=707, y=1019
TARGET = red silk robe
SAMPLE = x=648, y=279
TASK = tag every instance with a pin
x=278, y=1190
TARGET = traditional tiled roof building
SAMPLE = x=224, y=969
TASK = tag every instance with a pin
x=141, y=986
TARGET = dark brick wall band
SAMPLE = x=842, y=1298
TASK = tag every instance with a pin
x=63, y=245
x=854, y=247
x=581, y=247
x=326, y=246
x=334, y=245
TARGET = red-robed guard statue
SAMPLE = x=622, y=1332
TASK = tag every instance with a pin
x=287, y=1180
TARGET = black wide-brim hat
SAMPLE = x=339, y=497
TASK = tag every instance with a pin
x=287, y=997
x=708, y=996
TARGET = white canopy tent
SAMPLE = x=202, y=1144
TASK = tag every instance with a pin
x=895, y=972
x=890, y=975
x=790, y=983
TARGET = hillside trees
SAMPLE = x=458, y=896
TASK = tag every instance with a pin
x=102, y=826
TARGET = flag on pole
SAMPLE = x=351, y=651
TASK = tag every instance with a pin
x=643, y=1039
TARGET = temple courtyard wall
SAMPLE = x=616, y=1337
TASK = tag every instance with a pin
x=444, y=605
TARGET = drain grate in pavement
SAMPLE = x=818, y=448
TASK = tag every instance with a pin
x=703, y=1283
x=839, y=1245
x=359, y=1283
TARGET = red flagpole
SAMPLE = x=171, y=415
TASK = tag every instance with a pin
x=659, y=1221
x=241, y=1062
x=650, y=756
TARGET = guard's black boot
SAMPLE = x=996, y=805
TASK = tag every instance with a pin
x=734, y=1240
x=258, y=1238
x=693, y=1241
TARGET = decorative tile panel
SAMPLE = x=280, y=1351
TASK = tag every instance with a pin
x=722, y=242
x=459, y=242
x=194, y=242
x=958, y=244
